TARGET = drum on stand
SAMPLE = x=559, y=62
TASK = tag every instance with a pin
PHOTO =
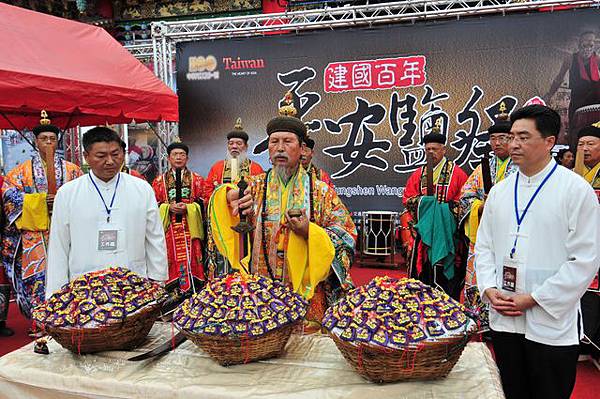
x=378, y=233
x=585, y=116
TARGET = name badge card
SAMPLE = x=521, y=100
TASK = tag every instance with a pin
x=107, y=240
x=511, y=277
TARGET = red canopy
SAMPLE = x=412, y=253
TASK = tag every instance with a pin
x=76, y=72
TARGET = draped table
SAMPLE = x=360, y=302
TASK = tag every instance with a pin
x=311, y=367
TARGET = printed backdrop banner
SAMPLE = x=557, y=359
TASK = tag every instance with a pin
x=369, y=95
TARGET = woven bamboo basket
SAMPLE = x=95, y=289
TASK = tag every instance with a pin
x=128, y=334
x=236, y=349
x=426, y=361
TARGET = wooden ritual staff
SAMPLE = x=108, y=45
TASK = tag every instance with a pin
x=50, y=172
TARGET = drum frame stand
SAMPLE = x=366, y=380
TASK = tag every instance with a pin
x=363, y=258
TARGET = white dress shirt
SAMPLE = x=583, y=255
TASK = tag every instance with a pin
x=558, y=246
x=79, y=214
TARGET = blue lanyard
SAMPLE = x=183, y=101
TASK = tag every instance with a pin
x=520, y=218
x=112, y=201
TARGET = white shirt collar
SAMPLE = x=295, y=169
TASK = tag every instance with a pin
x=102, y=183
x=538, y=177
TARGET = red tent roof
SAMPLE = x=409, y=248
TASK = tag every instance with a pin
x=76, y=72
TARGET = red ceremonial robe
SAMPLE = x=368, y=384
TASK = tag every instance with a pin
x=447, y=189
x=183, y=251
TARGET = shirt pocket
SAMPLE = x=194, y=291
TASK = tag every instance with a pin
x=546, y=325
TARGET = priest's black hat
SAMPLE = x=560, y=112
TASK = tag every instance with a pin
x=287, y=121
x=45, y=126
x=238, y=132
x=178, y=145
x=593, y=130
x=434, y=138
x=310, y=143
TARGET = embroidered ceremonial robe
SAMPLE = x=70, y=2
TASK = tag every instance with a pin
x=26, y=231
x=184, y=248
x=448, y=179
x=471, y=199
x=320, y=174
x=5, y=284
x=592, y=176
x=221, y=173
x=317, y=267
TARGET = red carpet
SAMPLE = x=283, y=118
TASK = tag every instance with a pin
x=586, y=387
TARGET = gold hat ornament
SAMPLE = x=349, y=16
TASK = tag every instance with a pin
x=288, y=108
x=437, y=128
x=44, y=118
x=502, y=116
x=287, y=121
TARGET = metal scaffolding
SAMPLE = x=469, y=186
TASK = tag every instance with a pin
x=165, y=35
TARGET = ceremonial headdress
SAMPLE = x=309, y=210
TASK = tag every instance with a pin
x=502, y=123
x=435, y=136
x=592, y=130
x=177, y=144
x=310, y=143
x=238, y=132
x=45, y=125
x=287, y=120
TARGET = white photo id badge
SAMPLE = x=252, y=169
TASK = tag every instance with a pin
x=107, y=240
x=511, y=274
x=109, y=236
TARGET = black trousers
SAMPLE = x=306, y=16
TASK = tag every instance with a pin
x=590, y=311
x=532, y=370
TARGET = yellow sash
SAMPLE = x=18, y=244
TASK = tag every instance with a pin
x=221, y=221
x=438, y=170
x=35, y=213
x=590, y=173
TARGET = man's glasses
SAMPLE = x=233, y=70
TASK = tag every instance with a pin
x=500, y=139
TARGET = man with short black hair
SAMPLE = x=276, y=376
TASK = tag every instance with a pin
x=534, y=260
x=105, y=218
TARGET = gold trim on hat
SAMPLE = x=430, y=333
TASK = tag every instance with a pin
x=502, y=116
x=437, y=128
x=597, y=124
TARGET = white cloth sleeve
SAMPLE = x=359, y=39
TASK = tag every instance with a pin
x=156, y=248
x=59, y=246
x=560, y=293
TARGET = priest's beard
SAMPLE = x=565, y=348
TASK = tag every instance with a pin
x=285, y=173
x=240, y=159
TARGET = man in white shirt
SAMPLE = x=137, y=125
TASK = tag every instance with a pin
x=534, y=263
x=105, y=218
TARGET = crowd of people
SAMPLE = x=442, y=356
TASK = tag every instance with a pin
x=516, y=241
